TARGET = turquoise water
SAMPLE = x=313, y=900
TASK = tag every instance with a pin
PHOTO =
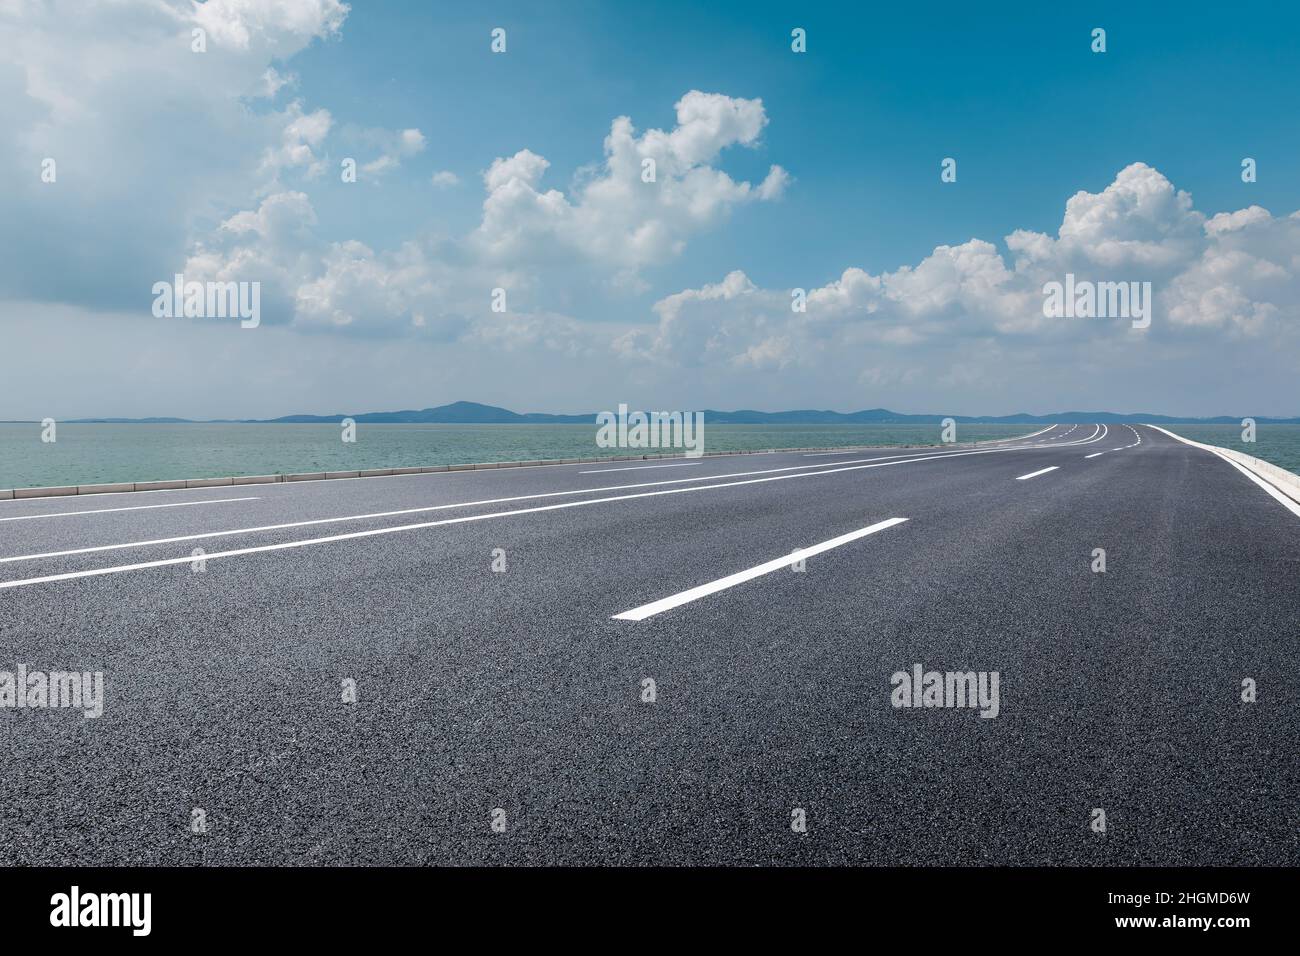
x=1279, y=444
x=87, y=454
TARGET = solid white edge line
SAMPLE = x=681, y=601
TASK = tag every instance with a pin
x=989, y=441
x=740, y=577
x=1035, y=474
x=104, y=511
x=1287, y=503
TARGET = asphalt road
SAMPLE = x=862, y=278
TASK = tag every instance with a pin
x=521, y=689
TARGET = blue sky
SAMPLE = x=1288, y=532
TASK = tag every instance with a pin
x=375, y=292
x=861, y=121
x=1031, y=113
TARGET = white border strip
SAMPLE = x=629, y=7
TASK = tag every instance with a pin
x=1230, y=456
x=104, y=511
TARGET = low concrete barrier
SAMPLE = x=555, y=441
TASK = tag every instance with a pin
x=159, y=485
x=45, y=492
x=1284, y=481
x=105, y=489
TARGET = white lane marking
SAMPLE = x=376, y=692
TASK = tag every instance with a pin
x=1287, y=503
x=1003, y=441
x=1032, y=434
x=605, y=471
x=372, y=532
x=740, y=577
x=1000, y=441
x=834, y=467
x=917, y=450
x=1094, y=454
x=375, y=532
x=1098, y=433
x=102, y=511
x=827, y=454
x=1035, y=474
x=142, y=493
x=198, y=536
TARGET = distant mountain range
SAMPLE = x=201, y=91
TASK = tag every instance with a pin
x=472, y=413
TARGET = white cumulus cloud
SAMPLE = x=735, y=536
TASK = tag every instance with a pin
x=1234, y=275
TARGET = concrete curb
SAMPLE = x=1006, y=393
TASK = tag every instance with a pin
x=1284, y=481
x=123, y=487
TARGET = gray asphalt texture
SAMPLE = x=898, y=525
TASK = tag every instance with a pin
x=480, y=690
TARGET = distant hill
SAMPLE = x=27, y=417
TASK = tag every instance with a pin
x=132, y=421
x=472, y=413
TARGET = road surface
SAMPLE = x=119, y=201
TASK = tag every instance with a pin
x=524, y=690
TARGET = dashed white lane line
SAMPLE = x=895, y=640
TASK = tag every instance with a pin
x=1133, y=444
x=606, y=471
x=740, y=577
x=1099, y=433
x=854, y=451
x=1035, y=474
x=1094, y=454
x=104, y=511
